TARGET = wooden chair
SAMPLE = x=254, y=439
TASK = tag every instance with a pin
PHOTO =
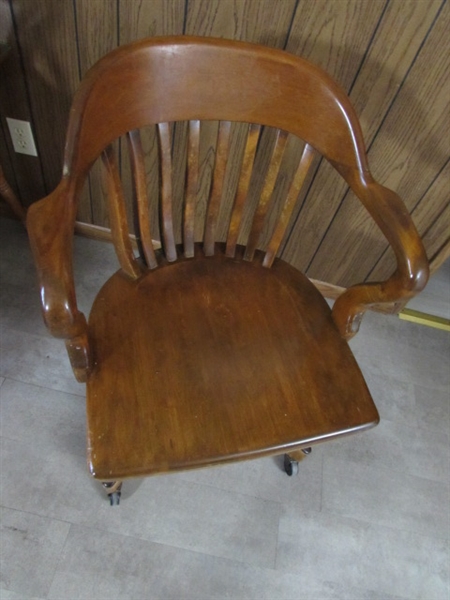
x=199, y=354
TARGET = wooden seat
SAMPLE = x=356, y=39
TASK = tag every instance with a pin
x=212, y=351
x=230, y=360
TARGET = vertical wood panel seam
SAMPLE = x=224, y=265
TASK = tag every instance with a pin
x=27, y=91
x=119, y=145
x=8, y=152
x=77, y=36
x=118, y=22
x=380, y=126
x=77, y=40
x=294, y=224
x=437, y=254
x=430, y=185
x=358, y=71
x=369, y=274
x=387, y=112
x=413, y=62
x=288, y=33
x=185, y=16
x=431, y=225
x=369, y=45
x=327, y=229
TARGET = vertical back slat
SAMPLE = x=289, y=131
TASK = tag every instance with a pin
x=166, y=201
x=192, y=188
x=217, y=187
x=288, y=207
x=266, y=194
x=242, y=189
x=140, y=183
x=117, y=214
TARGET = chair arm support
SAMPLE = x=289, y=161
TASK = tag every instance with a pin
x=50, y=224
x=411, y=275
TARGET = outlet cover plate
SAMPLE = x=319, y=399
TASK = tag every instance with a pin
x=22, y=136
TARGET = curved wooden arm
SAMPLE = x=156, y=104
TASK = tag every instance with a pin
x=50, y=224
x=411, y=275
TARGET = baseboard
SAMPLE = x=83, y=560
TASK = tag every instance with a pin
x=101, y=234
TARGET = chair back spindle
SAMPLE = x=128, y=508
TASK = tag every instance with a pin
x=118, y=219
x=137, y=159
x=289, y=204
x=140, y=184
x=166, y=191
x=266, y=194
x=191, y=188
x=242, y=188
x=223, y=139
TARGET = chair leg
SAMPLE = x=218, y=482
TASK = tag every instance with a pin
x=291, y=460
x=114, y=491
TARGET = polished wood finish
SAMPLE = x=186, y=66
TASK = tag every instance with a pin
x=192, y=188
x=289, y=205
x=242, y=189
x=119, y=225
x=166, y=203
x=266, y=194
x=388, y=56
x=217, y=187
x=213, y=358
x=229, y=360
x=138, y=169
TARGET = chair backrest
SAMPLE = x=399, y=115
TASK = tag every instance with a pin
x=164, y=80
x=159, y=81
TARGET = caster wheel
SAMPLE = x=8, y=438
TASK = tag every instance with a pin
x=114, y=491
x=290, y=466
x=114, y=498
x=306, y=450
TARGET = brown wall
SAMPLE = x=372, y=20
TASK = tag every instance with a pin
x=392, y=56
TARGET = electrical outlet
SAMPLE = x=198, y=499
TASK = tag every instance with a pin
x=22, y=136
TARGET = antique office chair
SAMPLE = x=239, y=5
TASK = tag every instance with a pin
x=205, y=353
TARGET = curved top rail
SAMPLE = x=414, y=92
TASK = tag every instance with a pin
x=183, y=78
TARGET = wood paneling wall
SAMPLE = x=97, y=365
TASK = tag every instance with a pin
x=392, y=57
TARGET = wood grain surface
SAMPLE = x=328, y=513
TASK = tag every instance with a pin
x=373, y=48
x=394, y=155
x=381, y=68
x=260, y=369
x=96, y=23
x=432, y=221
x=15, y=103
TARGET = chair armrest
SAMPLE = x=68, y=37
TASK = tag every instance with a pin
x=411, y=274
x=50, y=225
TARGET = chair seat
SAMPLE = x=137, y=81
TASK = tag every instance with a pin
x=215, y=359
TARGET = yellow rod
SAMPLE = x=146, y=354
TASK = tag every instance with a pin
x=416, y=316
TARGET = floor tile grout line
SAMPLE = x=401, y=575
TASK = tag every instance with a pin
x=392, y=470
x=43, y=387
x=231, y=561
x=146, y=540
x=59, y=559
x=321, y=483
x=211, y=485
x=237, y=493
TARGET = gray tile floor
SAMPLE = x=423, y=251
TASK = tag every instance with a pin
x=366, y=518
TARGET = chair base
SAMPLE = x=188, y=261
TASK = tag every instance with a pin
x=291, y=460
x=114, y=491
